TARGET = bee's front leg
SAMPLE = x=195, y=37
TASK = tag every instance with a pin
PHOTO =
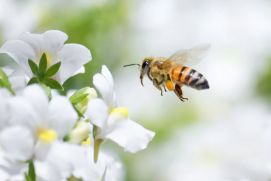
x=149, y=75
x=164, y=88
x=178, y=91
x=157, y=84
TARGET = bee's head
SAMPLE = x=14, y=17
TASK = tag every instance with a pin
x=145, y=67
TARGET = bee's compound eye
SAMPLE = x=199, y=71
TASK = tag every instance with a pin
x=145, y=63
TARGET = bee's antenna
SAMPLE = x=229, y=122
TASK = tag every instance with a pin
x=132, y=65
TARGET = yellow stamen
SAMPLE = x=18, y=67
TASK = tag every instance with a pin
x=120, y=110
x=49, y=59
x=86, y=142
x=47, y=135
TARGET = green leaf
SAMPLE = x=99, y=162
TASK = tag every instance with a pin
x=4, y=78
x=1, y=83
x=52, y=83
x=80, y=99
x=31, y=175
x=53, y=70
x=73, y=178
x=43, y=64
x=4, y=82
x=66, y=138
x=77, y=98
x=34, y=68
x=78, y=110
x=31, y=170
x=83, y=95
x=27, y=178
x=33, y=80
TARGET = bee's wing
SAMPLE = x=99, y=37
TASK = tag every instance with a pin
x=190, y=56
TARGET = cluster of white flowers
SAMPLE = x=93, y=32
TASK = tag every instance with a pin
x=47, y=136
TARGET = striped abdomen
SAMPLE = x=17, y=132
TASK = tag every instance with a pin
x=189, y=77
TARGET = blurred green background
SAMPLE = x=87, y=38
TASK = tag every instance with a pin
x=118, y=32
x=103, y=28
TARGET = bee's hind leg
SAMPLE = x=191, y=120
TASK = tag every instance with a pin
x=157, y=84
x=178, y=91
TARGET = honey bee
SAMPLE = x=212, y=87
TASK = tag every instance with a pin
x=171, y=73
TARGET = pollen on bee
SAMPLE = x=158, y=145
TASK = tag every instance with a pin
x=170, y=85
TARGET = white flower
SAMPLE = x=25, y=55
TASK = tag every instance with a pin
x=73, y=160
x=113, y=122
x=32, y=46
x=40, y=121
x=17, y=148
x=4, y=97
x=10, y=165
x=16, y=77
x=34, y=109
x=12, y=154
x=105, y=84
x=10, y=170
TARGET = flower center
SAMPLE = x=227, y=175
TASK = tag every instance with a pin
x=123, y=111
x=47, y=135
x=48, y=58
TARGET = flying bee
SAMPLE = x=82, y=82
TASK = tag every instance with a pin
x=171, y=73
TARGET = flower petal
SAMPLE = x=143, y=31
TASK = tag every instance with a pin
x=111, y=168
x=22, y=113
x=4, y=113
x=4, y=175
x=8, y=70
x=62, y=156
x=73, y=57
x=62, y=115
x=104, y=88
x=18, y=82
x=49, y=42
x=35, y=41
x=80, y=132
x=54, y=40
x=17, y=143
x=46, y=171
x=15, y=170
x=97, y=111
x=80, y=71
x=53, y=43
x=41, y=150
x=116, y=116
x=20, y=52
x=38, y=99
x=130, y=135
x=107, y=74
x=85, y=174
